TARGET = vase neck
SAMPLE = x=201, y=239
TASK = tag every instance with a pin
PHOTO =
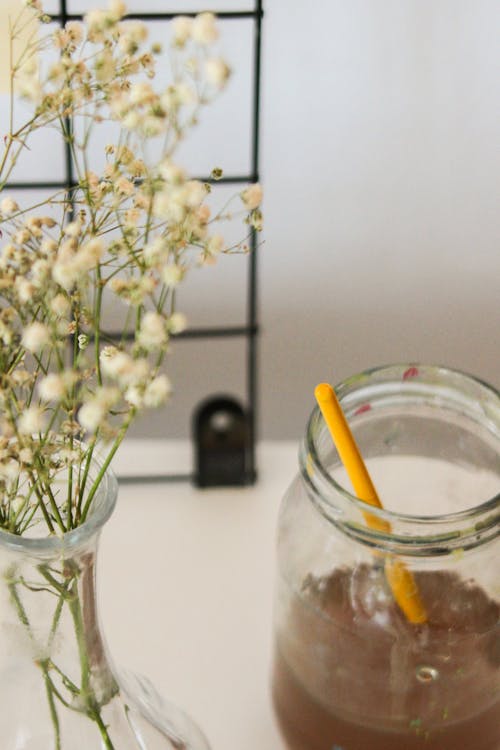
x=51, y=619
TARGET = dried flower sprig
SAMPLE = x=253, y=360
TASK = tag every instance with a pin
x=131, y=230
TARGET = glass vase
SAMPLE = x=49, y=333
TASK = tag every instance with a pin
x=59, y=689
x=351, y=670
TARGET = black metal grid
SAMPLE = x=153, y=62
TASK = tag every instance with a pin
x=250, y=329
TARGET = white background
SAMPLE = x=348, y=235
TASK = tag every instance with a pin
x=380, y=166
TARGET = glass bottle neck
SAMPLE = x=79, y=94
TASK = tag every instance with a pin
x=423, y=414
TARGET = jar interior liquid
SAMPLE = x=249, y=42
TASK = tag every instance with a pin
x=350, y=671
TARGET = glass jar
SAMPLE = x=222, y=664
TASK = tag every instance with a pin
x=59, y=689
x=350, y=671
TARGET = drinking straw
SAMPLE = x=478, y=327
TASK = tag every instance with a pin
x=399, y=578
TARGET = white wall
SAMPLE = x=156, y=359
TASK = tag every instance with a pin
x=380, y=165
x=381, y=169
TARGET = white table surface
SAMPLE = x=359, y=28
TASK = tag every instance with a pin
x=186, y=582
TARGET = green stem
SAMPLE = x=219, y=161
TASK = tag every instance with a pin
x=52, y=709
x=23, y=617
x=106, y=464
x=108, y=744
x=76, y=613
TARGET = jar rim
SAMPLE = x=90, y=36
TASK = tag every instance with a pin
x=103, y=505
x=415, y=529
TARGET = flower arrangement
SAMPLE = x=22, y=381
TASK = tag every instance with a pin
x=132, y=231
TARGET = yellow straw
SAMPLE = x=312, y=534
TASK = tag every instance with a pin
x=400, y=579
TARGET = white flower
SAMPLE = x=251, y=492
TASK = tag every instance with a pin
x=195, y=193
x=25, y=289
x=124, y=186
x=154, y=251
x=54, y=386
x=9, y=469
x=83, y=341
x=252, y=196
x=133, y=396
x=119, y=365
x=132, y=34
x=171, y=275
x=91, y=415
x=204, y=31
x=215, y=244
x=26, y=456
x=172, y=172
x=157, y=391
x=30, y=421
x=177, y=323
x=73, y=229
x=8, y=206
x=60, y=305
x=217, y=71
x=117, y=8
x=74, y=31
x=35, y=337
x=181, y=28
x=51, y=388
x=66, y=273
x=40, y=271
x=90, y=254
x=28, y=81
x=152, y=333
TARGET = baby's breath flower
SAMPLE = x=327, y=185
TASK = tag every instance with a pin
x=88, y=256
x=91, y=414
x=74, y=29
x=177, y=322
x=215, y=244
x=31, y=421
x=51, y=388
x=171, y=275
x=124, y=186
x=48, y=247
x=204, y=31
x=152, y=333
x=134, y=397
x=133, y=227
x=131, y=35
x=83, y=341
x=8, y=206
x=35, y=337
x=60, y=305
x=252, y=196
x=181, y=30
x=117, y=364
x=73, y=229
x=172, y=173
x=28, y=81
x=157, y=391
x=25, y=289
x=195, y=194
x=94, y=411
x=117, y=9
x=217, y=71
x=155, y=251
x=26, y=456
x=9, y=469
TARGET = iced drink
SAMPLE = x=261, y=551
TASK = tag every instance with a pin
x=352, y=674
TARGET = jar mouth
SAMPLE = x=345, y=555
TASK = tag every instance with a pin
x=103, y=505
x=447, y=388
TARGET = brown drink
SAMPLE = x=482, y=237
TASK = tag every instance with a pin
x=351, y=673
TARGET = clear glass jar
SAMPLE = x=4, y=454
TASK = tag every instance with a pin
x=350, y=671
x=59, y=689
